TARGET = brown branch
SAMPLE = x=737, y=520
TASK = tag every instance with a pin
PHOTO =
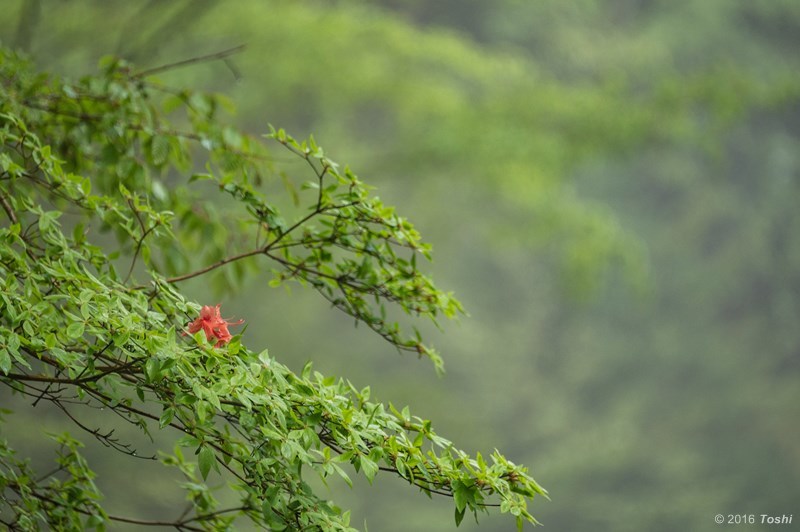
x=38, y=378
x=214, y=266
x=174, y=524
x=8, y=209
x=103, y=371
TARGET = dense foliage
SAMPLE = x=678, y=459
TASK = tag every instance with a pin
x=90, y=322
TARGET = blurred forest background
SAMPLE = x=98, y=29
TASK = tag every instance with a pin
x=611, y=189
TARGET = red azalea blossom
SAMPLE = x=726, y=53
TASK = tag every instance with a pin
x=211, y=322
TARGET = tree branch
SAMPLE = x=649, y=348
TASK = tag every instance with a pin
x=214, y=266
x=8, y=209
x=139, y=248
x=187, y=62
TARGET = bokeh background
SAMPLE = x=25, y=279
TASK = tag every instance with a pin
x=611, y=188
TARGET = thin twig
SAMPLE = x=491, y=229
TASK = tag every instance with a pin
x=136, y=253
x=186, y=62
x=106, y=439
x=175, y=524
x=214, y=266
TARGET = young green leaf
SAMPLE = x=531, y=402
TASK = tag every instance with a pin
x=205, y=459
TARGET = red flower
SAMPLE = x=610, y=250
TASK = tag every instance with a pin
x=211, y=322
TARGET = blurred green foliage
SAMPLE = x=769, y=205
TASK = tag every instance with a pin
x=556, y=154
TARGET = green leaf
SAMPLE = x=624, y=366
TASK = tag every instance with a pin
x=205, y=460
x=400, y=464
x=5, y=361
x=86, y=295
x=200, y=177
x=12, y=348
x=461, y=495
x=306, y=372
x=152, y=369
x=13, y=343
x=159, y=150
x=459, y=515
x=166, y=417
x=341, y=472
x=46, y=219
x=369, y=467
x=75, y=329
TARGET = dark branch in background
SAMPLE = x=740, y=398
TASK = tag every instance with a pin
x=135, y=42
x=29, y=16
x=223, y=55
